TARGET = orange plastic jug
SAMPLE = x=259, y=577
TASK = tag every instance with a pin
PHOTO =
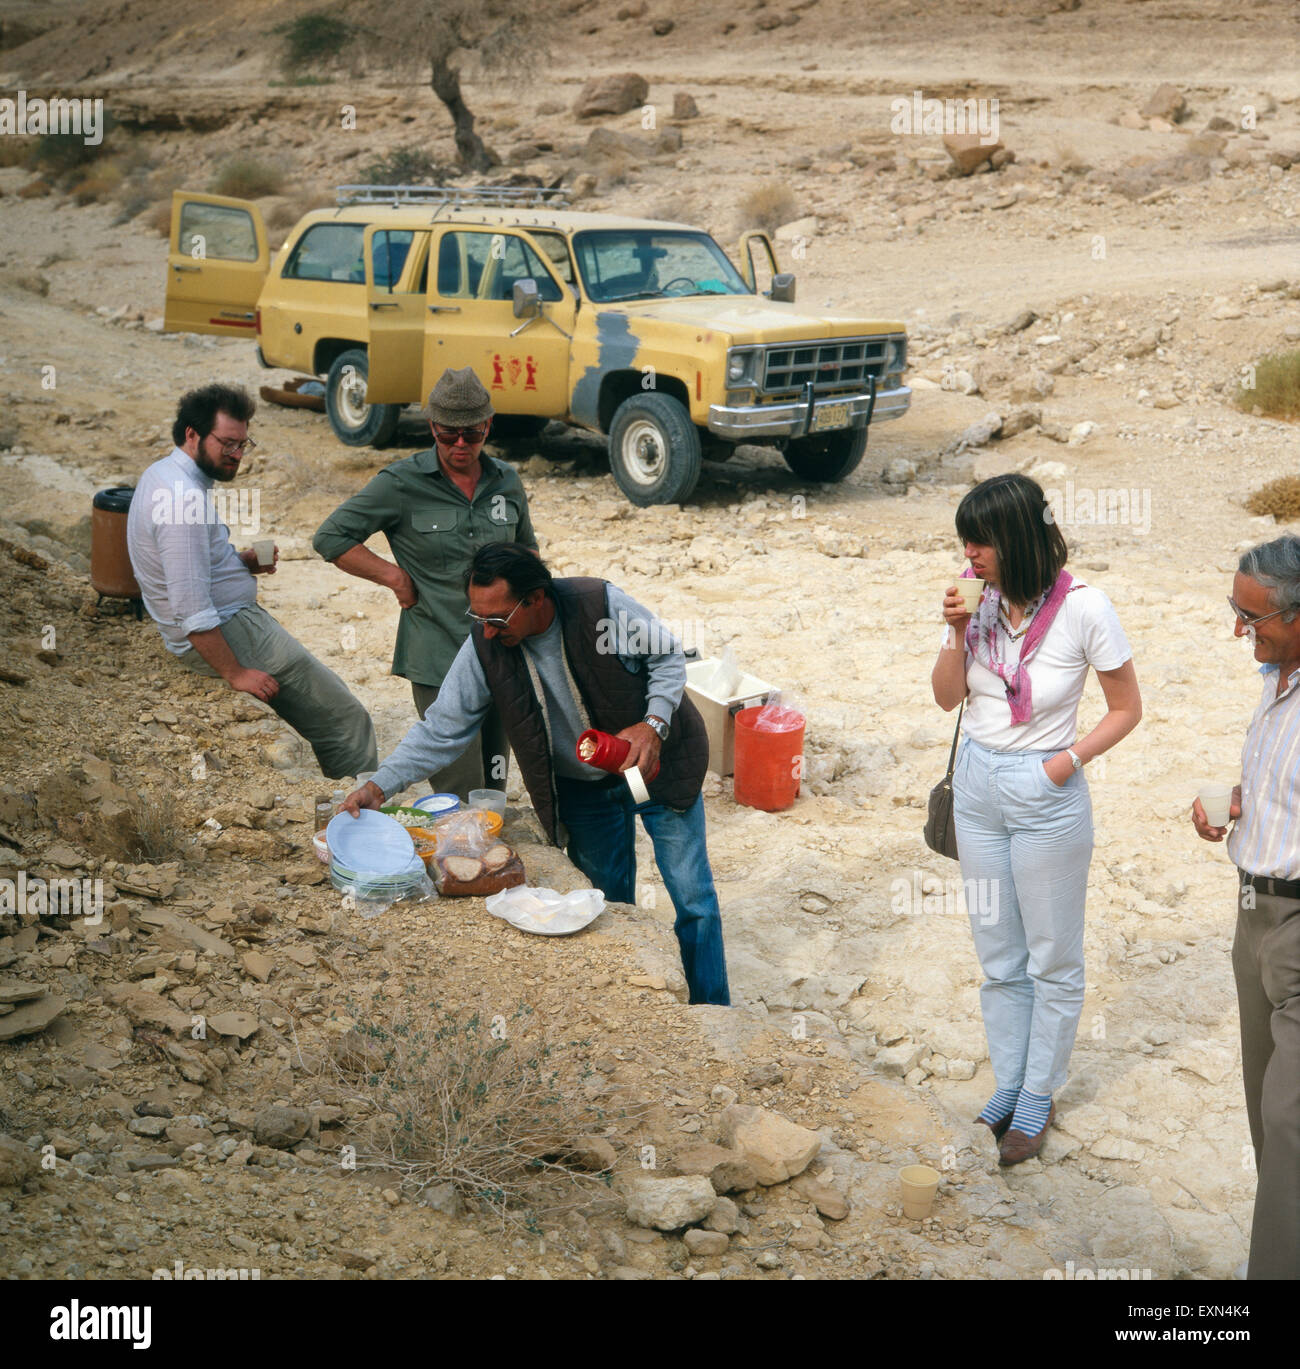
x=768, y=764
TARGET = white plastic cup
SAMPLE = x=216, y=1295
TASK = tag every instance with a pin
x=970, y=591
x=920, y=1184
x=494, y=800
x=265, y=550
x=1216, y=799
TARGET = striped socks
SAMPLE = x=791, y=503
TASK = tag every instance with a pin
x=1032, y=1111
x=1000, y=1107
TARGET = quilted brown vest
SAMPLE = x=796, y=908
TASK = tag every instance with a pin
x=614, y=699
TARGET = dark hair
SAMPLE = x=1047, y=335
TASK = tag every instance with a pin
x=1011, y=514
x=198, y=409
x=520, y=567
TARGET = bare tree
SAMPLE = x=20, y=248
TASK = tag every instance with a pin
x=504, y=38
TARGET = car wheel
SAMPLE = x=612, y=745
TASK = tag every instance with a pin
x=829, y=457
x=355, y=422
x=654, y=450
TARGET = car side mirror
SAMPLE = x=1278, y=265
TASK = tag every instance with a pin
x=783, y=287
x=527, y=300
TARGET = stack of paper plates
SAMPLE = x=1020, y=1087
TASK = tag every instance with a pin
x=372, y=855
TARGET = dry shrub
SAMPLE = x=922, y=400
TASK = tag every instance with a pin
x=486, y=1103
x=101, y=182
x=1280, y=497
x=246, y=178
x=768, y=206
x=1067, y=160
x=148, y=830
x=1276, y=392
x=16, y=150
x=285, y=215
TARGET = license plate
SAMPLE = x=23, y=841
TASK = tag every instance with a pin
x=830, y=416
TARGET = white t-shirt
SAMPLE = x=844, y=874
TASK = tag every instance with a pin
x=1085, y=633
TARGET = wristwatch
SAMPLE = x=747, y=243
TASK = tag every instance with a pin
x=657, y=726
x=1074, y=759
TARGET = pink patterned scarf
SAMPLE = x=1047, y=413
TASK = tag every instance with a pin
x=979, y=642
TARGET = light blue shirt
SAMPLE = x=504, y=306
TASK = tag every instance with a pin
x=643, y=646
x=190, y=576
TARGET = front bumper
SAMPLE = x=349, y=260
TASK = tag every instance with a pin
x=739, y=422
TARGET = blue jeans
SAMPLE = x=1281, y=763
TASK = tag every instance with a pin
x=602, y=843
x=1027, y=842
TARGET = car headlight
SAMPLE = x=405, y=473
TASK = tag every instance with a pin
x=740, y=366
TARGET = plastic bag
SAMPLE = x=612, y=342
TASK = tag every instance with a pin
x=546, y=912
x=467, y=862
x=726, y=678
x=371, y=895
x=779, y=714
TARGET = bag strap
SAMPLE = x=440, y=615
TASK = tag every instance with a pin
x=952, y=755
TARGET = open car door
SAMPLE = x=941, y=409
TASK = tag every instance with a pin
x=217, y=260
x=397, y=263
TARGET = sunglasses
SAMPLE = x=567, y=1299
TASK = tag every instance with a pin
x=493, y=622
x=449, y=437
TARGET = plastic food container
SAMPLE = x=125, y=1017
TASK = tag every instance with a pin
x=321, y=847
x=438, y=805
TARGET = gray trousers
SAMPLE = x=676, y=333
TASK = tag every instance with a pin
x=484, y=765
x=312, y=698
x=1266, y=965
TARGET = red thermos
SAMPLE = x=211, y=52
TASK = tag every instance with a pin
x=605, y=752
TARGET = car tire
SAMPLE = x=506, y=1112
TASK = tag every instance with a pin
x=829, y=457
x=654, y=450
x=356, y=423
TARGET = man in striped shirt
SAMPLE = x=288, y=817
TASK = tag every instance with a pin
x=1265, y=847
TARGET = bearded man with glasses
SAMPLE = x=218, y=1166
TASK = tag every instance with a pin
x=436, y=509
x=1264, y=845
x=201, y=593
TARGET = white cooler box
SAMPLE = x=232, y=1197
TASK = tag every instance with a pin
x=720, y=713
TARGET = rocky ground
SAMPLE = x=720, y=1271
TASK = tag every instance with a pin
x=1083, y=313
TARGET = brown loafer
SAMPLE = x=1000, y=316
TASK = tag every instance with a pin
x=1015, y=1146
x=997, y=1128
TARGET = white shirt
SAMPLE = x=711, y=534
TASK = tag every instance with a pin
x=190, y=577
x=1085, y=633
x=1265, y=839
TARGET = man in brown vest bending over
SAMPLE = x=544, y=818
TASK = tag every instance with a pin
x=557, y=657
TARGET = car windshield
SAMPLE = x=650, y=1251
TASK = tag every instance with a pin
x=639, y=263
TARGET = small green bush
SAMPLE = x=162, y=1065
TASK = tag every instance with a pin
x=312, y=39
x=1276, y=392
x=410, y=165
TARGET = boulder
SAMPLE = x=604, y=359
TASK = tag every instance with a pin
x=592, y=1153
x=727, y=1171
x=667, y=1204
x=611, y=95
x=281, y=1127
x=706, y=1242
x=1167, y=103
x=968, y=153
x=776, y=1147
x=32, y=1016
x=828, y=1201
x=725, y=1217
x=17, y=1163
x=684, y=106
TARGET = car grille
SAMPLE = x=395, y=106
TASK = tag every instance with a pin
x=834, y=364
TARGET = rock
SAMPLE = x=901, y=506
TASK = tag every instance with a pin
x=148, y=1009
x=828, y=1201
x=145, y=1163
x=281, y=1127
x=764, y=1076
x=18, y=991
x=684, y=106
x=1035, y=385
x=1131, y=119
x=258, y=965
x=981, y=433
x=662, y=27
x=152, y=1127
x=725, y=1217
x=611, y=95
x=240, y=1024
x=706, y=1242
x=31, y=1016
x=722, y=1095
x=1110, y=1147
x=1081, y=432
x=17, y=1163
x=805, y=227
x=900, y=471
x=898, y=1060
x=961, y=1069
x=592, y=1153
x=968, y=153
x=727, y=1171
x=1166, y=103
x=777, y=1148
x=444, y=1198
x=1022, y=320
x=1207, y=144
x=1020, y=419
x=667, y=1204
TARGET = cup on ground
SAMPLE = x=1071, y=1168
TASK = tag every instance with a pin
x=920, y=1184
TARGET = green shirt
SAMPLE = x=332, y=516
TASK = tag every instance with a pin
x=433, y=531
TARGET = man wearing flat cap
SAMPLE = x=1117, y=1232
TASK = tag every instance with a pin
x=437, y=508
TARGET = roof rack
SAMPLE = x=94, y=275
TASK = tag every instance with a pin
x=505, y=196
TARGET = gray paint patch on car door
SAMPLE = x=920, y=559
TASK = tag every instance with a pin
x=617, y=348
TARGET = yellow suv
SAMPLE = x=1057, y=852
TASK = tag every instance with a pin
x=639, y=329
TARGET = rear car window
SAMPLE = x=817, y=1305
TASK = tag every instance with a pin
x=329, y=251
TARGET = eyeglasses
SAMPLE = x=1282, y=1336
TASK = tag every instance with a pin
x=229, y=448
x=1249, y=618
x=493, y=622
x=449, y=437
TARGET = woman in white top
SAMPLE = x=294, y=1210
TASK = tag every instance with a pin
x=1021, y=809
